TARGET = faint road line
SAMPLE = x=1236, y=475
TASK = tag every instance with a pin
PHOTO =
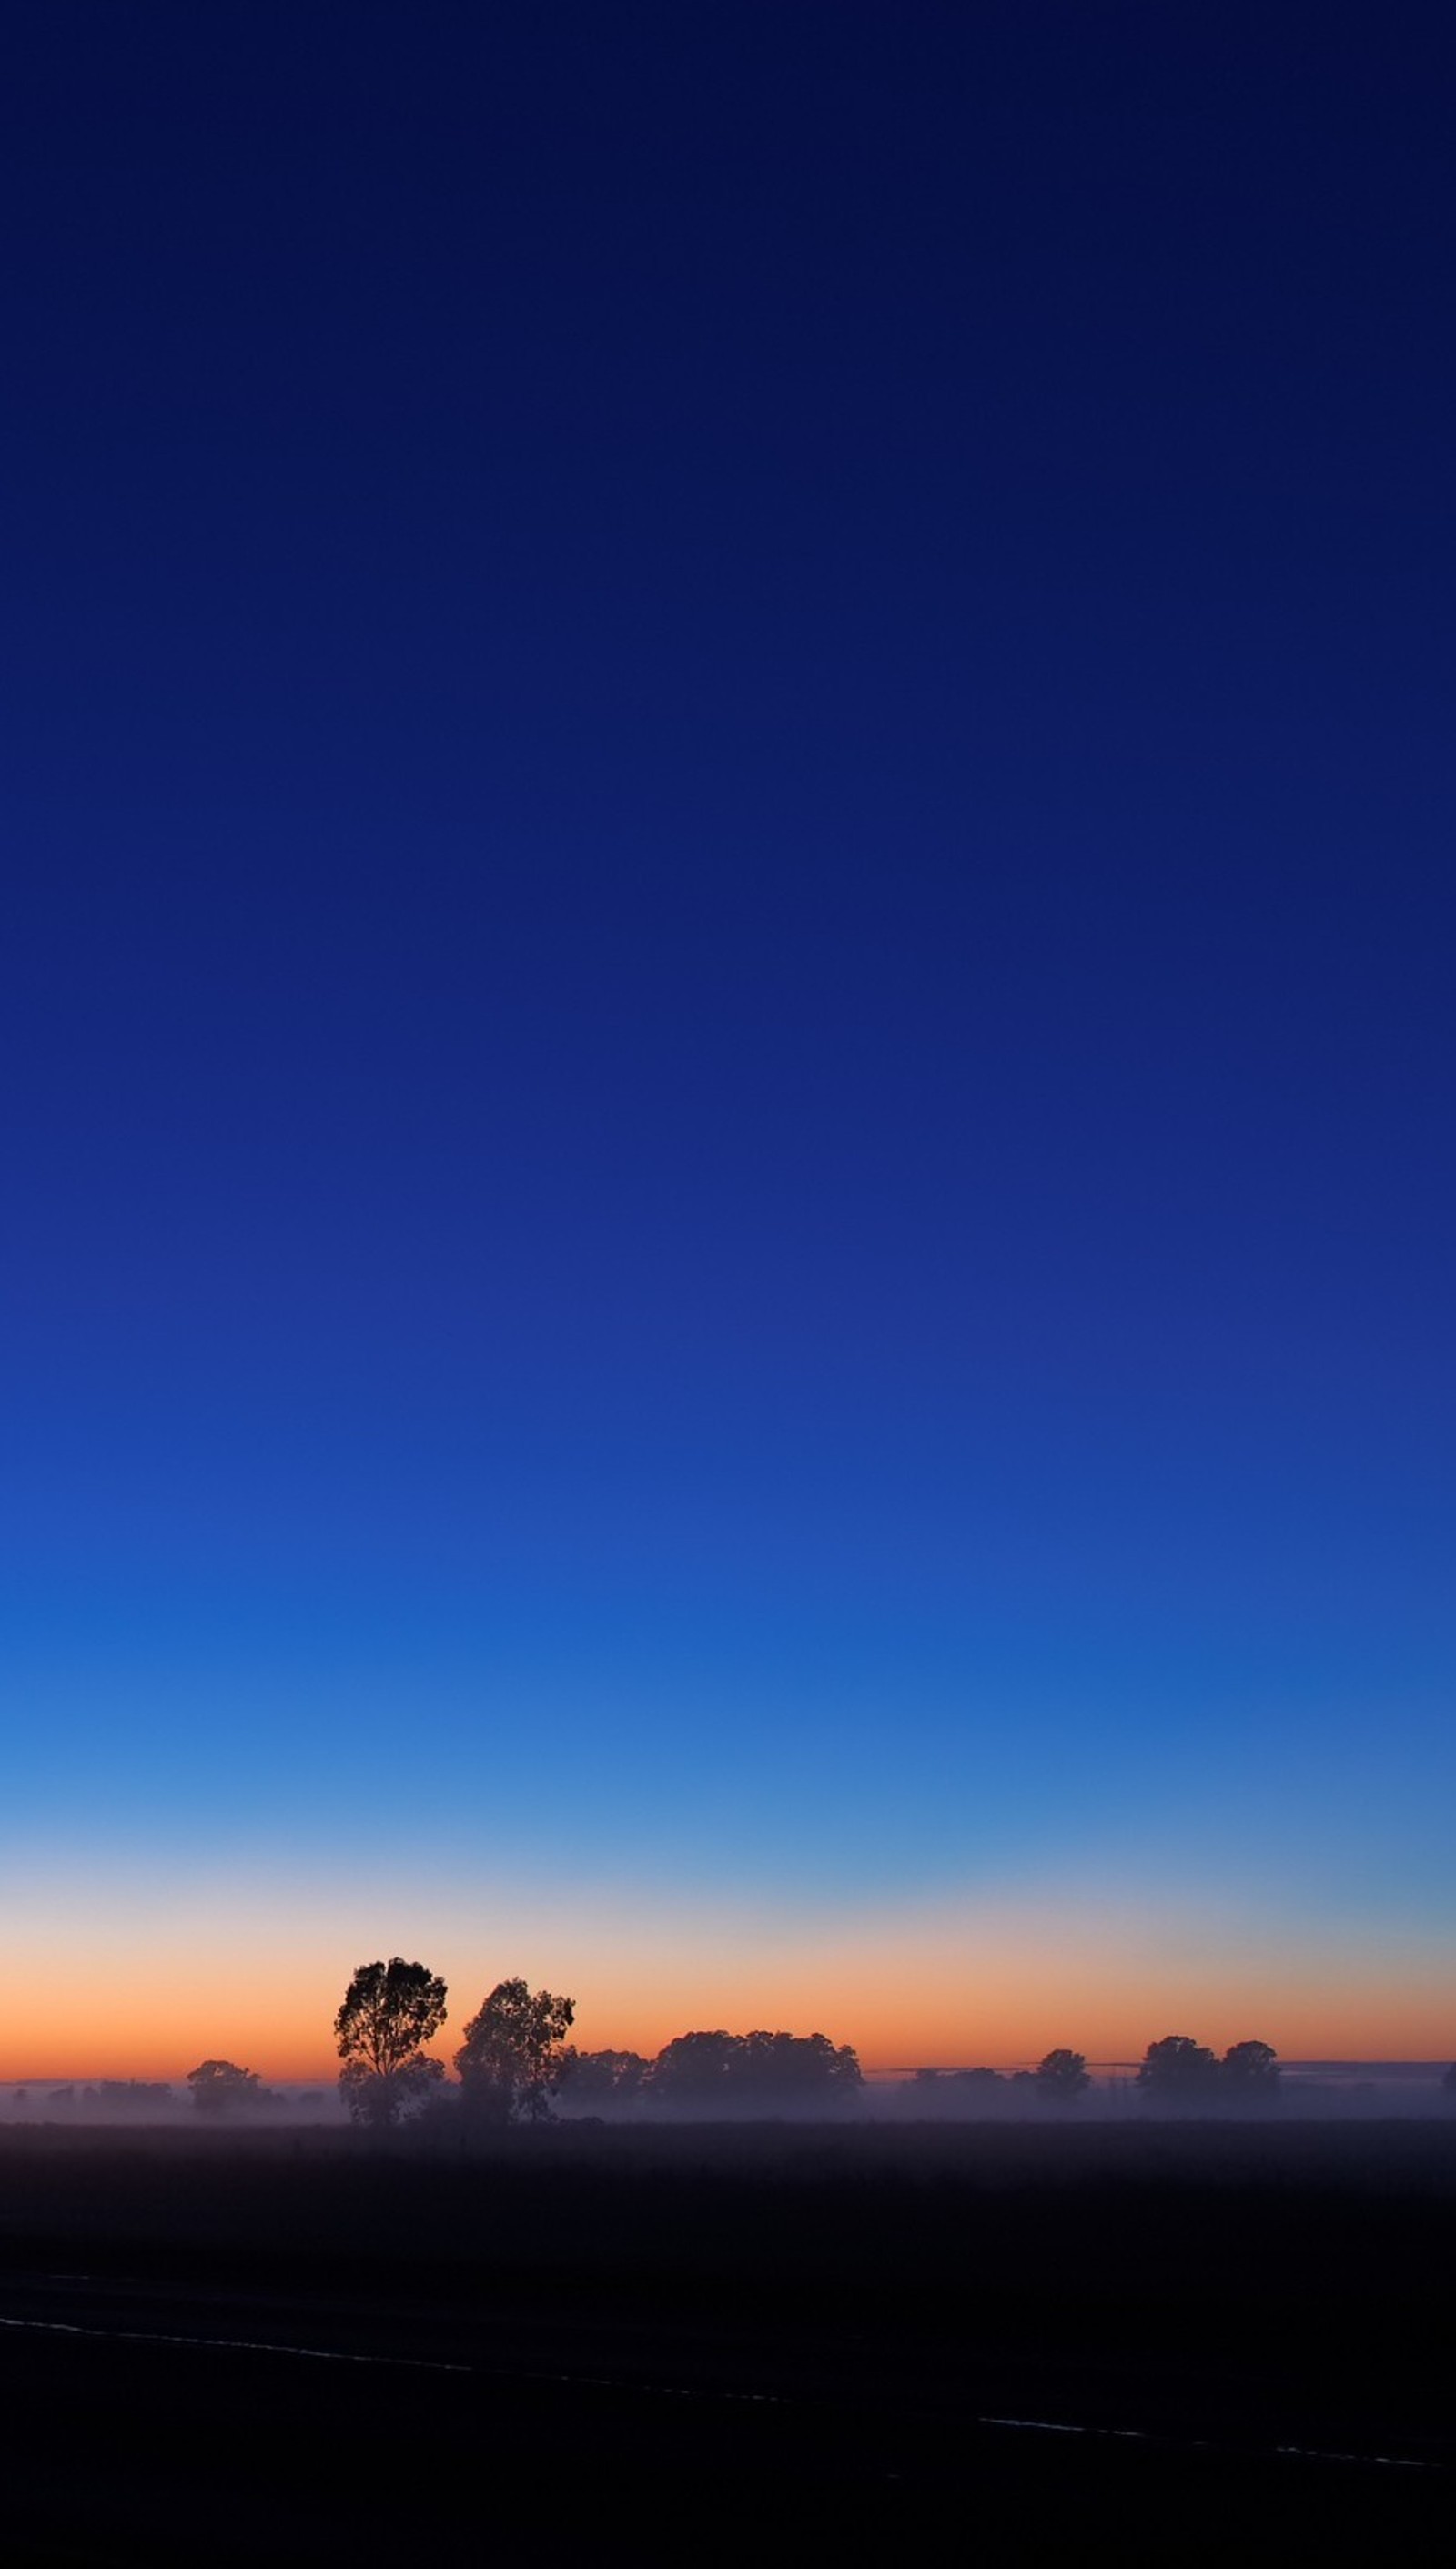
x=681, y=2391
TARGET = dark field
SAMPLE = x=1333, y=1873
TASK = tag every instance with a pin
x=695, y=2344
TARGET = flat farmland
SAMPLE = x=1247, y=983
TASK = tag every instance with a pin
x=681, y=2343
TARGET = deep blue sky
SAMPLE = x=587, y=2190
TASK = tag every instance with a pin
x=727, y=1018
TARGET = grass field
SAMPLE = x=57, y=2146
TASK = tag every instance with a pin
x=678, y=2343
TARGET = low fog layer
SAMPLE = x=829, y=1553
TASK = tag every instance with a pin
x=1304, y=2091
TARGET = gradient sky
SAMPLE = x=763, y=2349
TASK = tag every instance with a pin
x=727, y=1022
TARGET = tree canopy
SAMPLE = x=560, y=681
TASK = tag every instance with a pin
x=606, y=2077
x=1062, y=2076
x=1178, y=2071
x=1185, y=2075
x=1249, y=2070
x=514, y=2055
x=741, y=2073
x=219, y=2085
x=389, y=2012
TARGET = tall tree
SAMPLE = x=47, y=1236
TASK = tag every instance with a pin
x=390, y=2011
x=1250, y=2074
x=514, y=2055
x=1180, y=2072
x=1063, y=2077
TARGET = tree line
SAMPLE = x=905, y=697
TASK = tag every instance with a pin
x=1174, y=2071
x=514, y=2060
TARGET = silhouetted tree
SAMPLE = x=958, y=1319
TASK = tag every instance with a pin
x=515, y=2054
x=389, y=2011
x=1248, y=2073
x=795, y=2070
x=693, y=2071
x=219, y=2085
x=596, y=2078
x=1063, y=2077
x=1179, y=2071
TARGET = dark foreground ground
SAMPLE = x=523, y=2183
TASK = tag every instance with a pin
x=702, y=2345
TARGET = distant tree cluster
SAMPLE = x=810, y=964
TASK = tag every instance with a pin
x=219, y=2088
x=128, y=2093
x=1176, y=2076
x=1185, y=2075
x=1058, y=2079
x=718, y=2074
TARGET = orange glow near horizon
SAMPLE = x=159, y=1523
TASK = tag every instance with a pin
x=995, y=1982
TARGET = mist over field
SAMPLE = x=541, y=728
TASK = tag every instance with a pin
x=1340, y=2092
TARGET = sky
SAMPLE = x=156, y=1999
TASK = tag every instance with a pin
x=725, y=1019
